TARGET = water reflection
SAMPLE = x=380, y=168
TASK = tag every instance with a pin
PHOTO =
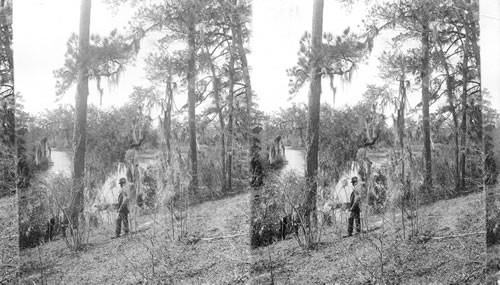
x=296, y=161
x=61, y=162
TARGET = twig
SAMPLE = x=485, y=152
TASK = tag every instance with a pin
x=235, y=259
x=9, y=236
x=472, y=274
x=8, y=265
x=223, y=237
x=5, y=279
x=232, y=245
x=42, y=274
x=135, y=264
x=459, y=235
x=241, y=278
x=271, y=266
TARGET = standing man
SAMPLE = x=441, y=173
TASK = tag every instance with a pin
x=354, y=207
x=122, y=208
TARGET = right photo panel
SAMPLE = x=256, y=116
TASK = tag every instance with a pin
x=490, y=44
x=382, y=139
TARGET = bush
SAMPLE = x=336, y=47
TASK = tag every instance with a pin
x=267, y=210
x=377, y=197
x=492, y=218
x=277, y=210
x=150, y=187
x=7, y=172
x=444, y=175
x=36, y=211
x=50, y=199
x=209, y=173
x=153, y=139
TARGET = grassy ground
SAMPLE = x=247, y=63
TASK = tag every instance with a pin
x=214, y=251
x=450, y=250
x=380, y=256
x=493, y=250
x=493, y=264
x=9, y=253
x=493, y=204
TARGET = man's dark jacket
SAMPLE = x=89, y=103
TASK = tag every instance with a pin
x=354, y=207
x=123, y=207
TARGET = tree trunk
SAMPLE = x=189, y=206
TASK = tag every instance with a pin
x=237, y=32
x=166, y=135
x=191, y=106
x=463, y=126
x=238, y=39
x=401, y=136
x=7, y=48
x=425, y=103
x=401, y=115
x=451, y=99
x=471, y=26
x=223, y=148
x=80, y=132
x=216, y=87
x=313, y=114
x=471, y=31
x=167, y=118
x=67, y=136
x=301, y=135
x=230, y=119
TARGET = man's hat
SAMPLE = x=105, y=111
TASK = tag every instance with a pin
x=354, y=179
x=122, y=181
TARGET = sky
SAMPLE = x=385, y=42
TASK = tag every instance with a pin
x=489, y=28
x=39, y=50
x=276, y=30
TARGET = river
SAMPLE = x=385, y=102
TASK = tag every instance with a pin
x=61, y=162
x=340, y=192
x=108, y=194
x=296, y=161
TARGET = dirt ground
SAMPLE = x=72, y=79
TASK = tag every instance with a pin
x=215, y=251
x=493, y=266
x=493, y=250
x=9, y=253
x=449, y=250
x=493, y=204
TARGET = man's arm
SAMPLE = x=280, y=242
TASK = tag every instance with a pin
x=357, y=198
x=125, y=194
x=120, y=201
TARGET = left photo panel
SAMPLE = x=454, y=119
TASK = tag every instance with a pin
x=9, y=252
x=138, y=118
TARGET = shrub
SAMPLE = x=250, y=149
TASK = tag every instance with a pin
x=50, y=199
x=266, y=212
x=277, y=210
x=150, y=187
x=444, y=172
x=34, y=202
x=209, y=173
